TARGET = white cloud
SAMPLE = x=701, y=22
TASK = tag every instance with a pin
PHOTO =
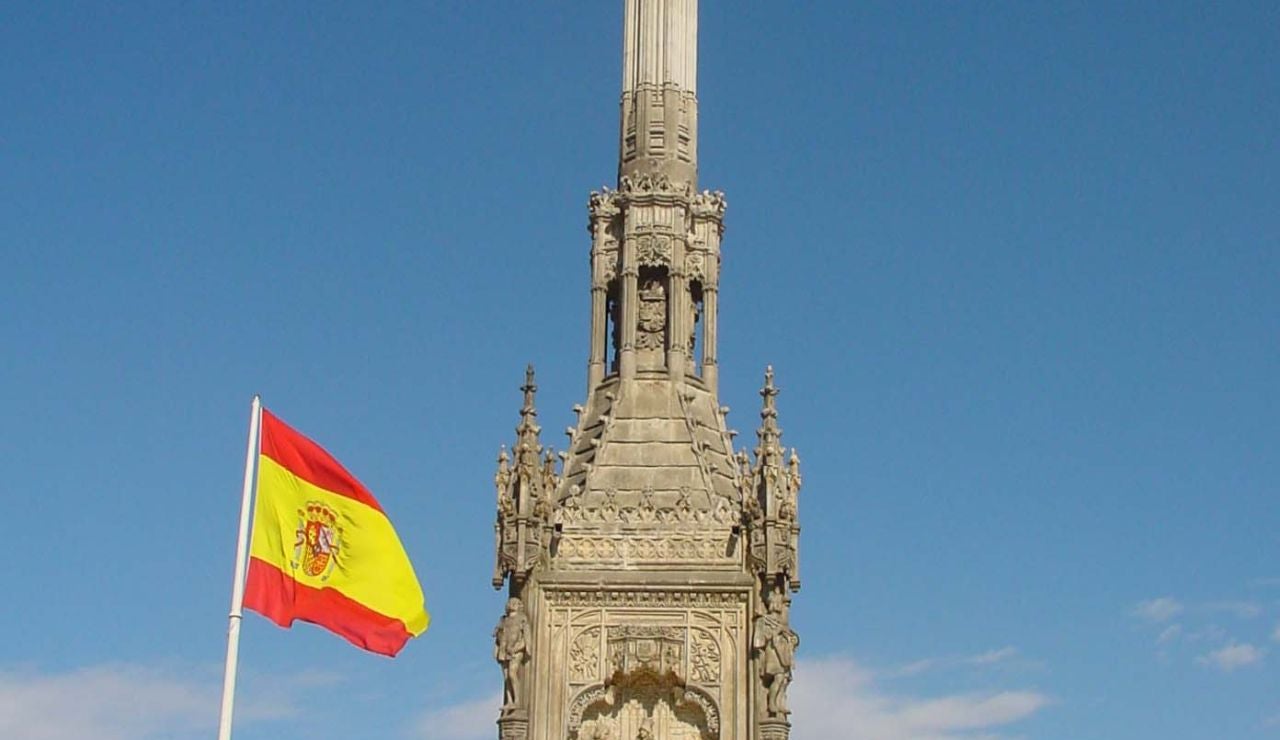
x=1231, y=657
x=1158, y=610
x=1169, y=634
x=474, y=720
x=835, y=699
x=124, y=702
x=109, y=702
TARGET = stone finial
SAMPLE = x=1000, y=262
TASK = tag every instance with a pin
x=769, y=450
x=529, y=388
x=504, y=463
x=528, y=444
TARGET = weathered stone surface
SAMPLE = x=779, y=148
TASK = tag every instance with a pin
x=649, y=567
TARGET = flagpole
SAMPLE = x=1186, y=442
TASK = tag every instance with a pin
x=237, y=586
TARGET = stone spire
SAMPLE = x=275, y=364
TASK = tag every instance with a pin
x=525, y=493
x=771, y=491
x=649, y=579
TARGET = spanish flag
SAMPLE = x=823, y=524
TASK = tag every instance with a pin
x=323, y=551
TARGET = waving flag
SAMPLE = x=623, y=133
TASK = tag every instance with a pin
x=323, y=550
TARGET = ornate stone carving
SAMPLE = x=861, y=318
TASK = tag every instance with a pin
x=709, y=204
x=645, y=183
x=653, y=251
x=511, y=641
x=609, y=261
x=652, y=316
x=640, y=704
x=708, y=707
x=787, y=507
x=645, y=548
x=770, y=492
x=584, y=699
x=502, y=481
x=584, y=657
x=659, y=650
x=775, y=646
x=647, y=509
x=654, y=599
x=704, y=657
x=695, y=264
x=603, y=204
x=525, y=496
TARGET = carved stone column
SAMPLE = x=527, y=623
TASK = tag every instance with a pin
x=677, y=315
x=602, y=223
x=630, y=316
x=710, y=311
x=599, y=325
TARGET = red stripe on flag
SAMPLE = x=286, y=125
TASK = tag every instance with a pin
x=276, y=596
x=309, y=461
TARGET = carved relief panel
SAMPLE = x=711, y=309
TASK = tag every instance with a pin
x=647, y=661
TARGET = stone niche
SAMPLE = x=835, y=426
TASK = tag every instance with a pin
x=644, y=705
x=647, y=665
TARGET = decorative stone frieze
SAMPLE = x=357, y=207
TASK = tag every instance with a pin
x=657, y=599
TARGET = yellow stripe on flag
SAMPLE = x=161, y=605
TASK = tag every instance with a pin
x=366, y=562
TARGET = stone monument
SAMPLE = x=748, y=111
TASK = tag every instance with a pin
x=649, y=568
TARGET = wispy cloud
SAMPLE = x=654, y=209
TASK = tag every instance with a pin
x=1169, y=634
x=1158, y=610
x=117, y=702
x=1241, y=609
x=988, y=658
x=1232, y=657
x=1197, y=624
x=993, y=656
x=836, y=699
x=472, y=720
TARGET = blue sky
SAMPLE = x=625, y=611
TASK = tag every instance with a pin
x=1016, y=265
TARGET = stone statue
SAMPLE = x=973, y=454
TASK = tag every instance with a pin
x=511, y=641
x=646, y=730
x=775, y=643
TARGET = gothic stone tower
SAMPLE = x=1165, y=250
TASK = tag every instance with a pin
x=649, y=568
